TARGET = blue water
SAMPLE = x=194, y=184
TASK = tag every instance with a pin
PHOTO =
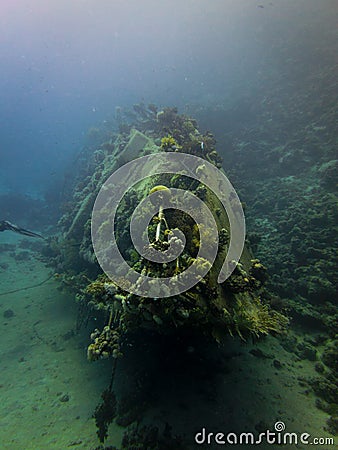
x=260, y=75
x=65, y=66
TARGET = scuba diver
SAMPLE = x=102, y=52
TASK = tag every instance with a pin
x=5, y=225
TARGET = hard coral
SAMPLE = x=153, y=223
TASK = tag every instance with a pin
x=168, y=143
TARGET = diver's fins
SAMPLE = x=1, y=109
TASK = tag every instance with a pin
x=5, y=225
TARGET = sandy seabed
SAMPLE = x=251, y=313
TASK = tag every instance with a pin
x=49, y=390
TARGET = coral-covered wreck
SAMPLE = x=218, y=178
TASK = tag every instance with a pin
x=239, y=305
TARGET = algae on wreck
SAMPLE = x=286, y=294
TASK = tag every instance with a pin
x=238, y=306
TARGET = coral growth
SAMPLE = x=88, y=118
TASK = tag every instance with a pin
x=235, y=307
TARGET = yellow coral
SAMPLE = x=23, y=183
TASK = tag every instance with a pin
x=168, y=142
x=96, y=288
x=251, y=315
x=160, y=187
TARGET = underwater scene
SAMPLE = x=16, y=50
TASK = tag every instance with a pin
x=168, y=224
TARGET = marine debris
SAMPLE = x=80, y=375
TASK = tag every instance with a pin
x=236, y=306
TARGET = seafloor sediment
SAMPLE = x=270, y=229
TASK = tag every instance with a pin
x=50, y=390
x=180, y=370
